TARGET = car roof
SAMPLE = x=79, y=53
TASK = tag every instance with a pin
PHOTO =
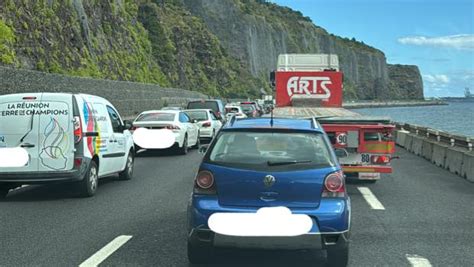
x=278, y=123
x=161, y=111
x=201, y=109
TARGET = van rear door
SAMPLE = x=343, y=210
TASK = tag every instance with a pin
x=56, y=136
x=19, y=127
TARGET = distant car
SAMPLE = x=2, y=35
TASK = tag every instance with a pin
x=250, y=110
x=215, y=105
x=186, y=131
x=235, y=111
x=258, y=108
x=251, y=165
x=207, y=121
x=172, y=108
x=64, y=137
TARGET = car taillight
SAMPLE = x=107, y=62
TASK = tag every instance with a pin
x=77, y=129
x=206, y=124
x=204, y=183
x=172, y=127
x=77, y=162
x=133, y=128
x=380, y=159
x=334, y=185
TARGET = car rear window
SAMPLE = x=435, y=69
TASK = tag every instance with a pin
x=198, y=115
x=232, y=110
x=271, y=150
x=156, y=117
x=204, y=105
x=247, y=108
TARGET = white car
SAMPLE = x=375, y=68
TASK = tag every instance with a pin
x=185, y=130
x=207, y=121
x=64, y=138
x=235, y=111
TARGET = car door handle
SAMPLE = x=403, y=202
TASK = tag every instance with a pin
x=27, y=145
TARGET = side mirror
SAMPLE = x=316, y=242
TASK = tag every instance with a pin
x=341, y=153
x=127, y=125
x=203, y=149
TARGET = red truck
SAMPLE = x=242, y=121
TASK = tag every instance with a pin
x=310, y=85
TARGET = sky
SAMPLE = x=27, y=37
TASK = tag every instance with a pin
x=436, y=35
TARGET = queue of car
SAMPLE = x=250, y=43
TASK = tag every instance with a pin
x=254, y=170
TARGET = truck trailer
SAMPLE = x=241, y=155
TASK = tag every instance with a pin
x=311, y=85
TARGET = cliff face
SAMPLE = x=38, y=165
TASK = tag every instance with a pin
x=257, y=33
x=218, y=47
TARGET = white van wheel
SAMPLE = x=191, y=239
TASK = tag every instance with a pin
x=88, y=185
x=127, y=174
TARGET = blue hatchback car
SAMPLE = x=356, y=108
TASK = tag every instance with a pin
x=264, y=163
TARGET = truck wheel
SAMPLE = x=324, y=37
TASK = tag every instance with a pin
x=127, y=174
x=88, y=185
x=184, y=149
x=200, y=253
x=338, y=257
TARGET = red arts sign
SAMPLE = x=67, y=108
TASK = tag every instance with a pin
x=323, y=85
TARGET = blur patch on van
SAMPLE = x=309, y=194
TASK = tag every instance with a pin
x=13, y=157
x=154, y=139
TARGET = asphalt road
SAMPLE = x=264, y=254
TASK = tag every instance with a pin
x=423, y=211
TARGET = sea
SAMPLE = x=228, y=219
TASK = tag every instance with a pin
x=456, y=117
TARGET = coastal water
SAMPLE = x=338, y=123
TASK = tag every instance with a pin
x=457, y=117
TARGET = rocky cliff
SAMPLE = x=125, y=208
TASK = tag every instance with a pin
x=219, y=47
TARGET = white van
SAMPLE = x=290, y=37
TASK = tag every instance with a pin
x=68, y=137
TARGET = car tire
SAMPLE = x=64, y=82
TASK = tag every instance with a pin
x=200, y=254
x=3, y=192
x=338, y=257
x=88, y=185
x=198, y=142
x=184, y=149
x=127, y=174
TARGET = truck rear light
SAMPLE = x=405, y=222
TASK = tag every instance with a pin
x=334, y=185
x=204, y=183
x=77, y=129
x=206, y=124
x=380, y=159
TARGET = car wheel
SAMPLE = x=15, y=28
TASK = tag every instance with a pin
x=338, y=257
x=198, y=142
x=127, y=174
x=184, y=148
x=200, y=253
x=88, y=185
x=4, y=192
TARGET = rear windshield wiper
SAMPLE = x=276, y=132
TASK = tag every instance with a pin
x=278, y=163
x=31, y=127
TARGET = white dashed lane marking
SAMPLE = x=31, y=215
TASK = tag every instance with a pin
x=370, y=198
x=418, y=261
x=106, y=251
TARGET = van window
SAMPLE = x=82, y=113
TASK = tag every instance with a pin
x=115, y=119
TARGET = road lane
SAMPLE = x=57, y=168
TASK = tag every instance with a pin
x=428, y=214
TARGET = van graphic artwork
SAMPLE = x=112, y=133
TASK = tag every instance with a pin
x=93, y=143
x=54, y=146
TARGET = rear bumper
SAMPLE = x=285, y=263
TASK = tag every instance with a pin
x=46, y=177
x=205, y=132
x=331, y=224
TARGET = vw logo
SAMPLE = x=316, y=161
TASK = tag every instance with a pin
x=269, y=180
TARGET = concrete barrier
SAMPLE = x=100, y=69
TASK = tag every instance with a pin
x=427, y=150
x=400, y=138
x=417, y=145
x=454, y=160
x=467, y=170
x=438, y=156
x=408, y=142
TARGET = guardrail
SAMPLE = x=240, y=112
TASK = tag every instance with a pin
x=449, y=151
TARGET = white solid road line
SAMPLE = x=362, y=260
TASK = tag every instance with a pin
x=370, y=198
x=106, y=251
x=417, y=261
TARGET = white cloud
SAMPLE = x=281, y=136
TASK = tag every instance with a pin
x=460, y=41
x=437, y=78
